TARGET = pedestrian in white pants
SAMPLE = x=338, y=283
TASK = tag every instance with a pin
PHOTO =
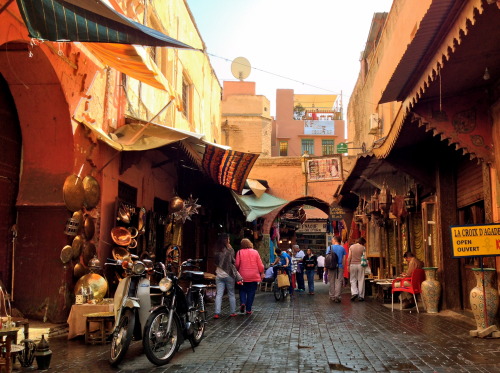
x=356, y=272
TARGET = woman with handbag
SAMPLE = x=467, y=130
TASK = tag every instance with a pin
x=249, y=264
x=226, y=274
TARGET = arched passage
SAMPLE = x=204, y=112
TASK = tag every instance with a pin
x=38, y=276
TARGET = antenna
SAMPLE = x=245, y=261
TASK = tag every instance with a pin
x=240, y=67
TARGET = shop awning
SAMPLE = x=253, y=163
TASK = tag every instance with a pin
x=254, y=207
x=87, y=21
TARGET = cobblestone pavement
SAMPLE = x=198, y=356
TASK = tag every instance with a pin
x=309, y=334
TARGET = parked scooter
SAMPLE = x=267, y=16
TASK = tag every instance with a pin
x=132, y=305
x=180, y=316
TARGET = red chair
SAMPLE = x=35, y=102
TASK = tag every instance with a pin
x=416, y=279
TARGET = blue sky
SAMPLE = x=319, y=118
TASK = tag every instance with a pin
x=310, y=46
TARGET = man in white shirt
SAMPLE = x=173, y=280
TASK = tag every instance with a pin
x=298, y=255
x=321, y=266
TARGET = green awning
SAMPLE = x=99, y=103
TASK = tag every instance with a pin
x=254, y=207
x=87, y=21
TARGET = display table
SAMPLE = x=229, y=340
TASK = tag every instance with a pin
x=7, y=336
x=76, y=318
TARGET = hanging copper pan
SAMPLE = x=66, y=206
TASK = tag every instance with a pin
x=120, y=253
x=79, y=270
x=73, y=193
x=89, y=228
x=141, y=225
x=66, y=254
x=88, y=252
x=76, y=246
x=92, y=192
x=121, y=236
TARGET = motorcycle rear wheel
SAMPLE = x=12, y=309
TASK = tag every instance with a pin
x=160, y=344
x=276, y=291
x=122, y=337
x=199, y=321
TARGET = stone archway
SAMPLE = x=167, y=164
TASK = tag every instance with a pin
x=39, y=278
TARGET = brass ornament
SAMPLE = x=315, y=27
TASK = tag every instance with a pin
x=73, y=193
x=92, y=192
x=76, y=246
x=89, y=228
x=79, y=270
x=88, y=252
x=176, y=204
x=66, y=254
x=97, y=284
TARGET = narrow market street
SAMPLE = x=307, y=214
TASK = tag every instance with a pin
x=308, y=334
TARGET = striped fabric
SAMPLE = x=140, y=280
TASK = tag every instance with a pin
x=229, y=168
x=90, y=21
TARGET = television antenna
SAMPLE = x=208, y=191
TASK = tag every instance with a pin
x=240, y=67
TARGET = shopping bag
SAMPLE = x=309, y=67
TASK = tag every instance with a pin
x=283, y=280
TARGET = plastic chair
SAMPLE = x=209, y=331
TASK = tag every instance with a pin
x=415, y=282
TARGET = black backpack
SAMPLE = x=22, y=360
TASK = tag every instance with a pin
x=331, y=260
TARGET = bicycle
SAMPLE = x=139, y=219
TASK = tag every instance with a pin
x=283, y=291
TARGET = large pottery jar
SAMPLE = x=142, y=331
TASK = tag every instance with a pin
x=478, y=301
x=431, y=290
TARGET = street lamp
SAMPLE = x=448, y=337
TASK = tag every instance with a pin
x=303, y=161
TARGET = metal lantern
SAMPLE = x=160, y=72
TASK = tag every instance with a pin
x=385, y=199
x=410, y=203
x=374, y=203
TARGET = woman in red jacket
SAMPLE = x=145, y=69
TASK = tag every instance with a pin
x=249, y=265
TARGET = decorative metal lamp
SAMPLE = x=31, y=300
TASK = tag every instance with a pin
x=410, y=203
x=374, y=203
x=385, y=199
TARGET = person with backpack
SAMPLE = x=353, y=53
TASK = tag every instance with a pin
x=334, y=264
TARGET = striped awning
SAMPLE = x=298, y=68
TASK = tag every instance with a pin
x=87, y=21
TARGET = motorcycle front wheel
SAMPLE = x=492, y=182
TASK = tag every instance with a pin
x=199, y=321
x=160, y=344
x=122, y=337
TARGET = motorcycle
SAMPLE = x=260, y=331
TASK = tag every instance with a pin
x=180, y=316
x=132, y=303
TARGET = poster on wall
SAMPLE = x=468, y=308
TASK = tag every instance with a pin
x=324, y=169
x=319, y=127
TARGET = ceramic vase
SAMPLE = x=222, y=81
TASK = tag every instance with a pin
x=484, y=318
x=431, y=290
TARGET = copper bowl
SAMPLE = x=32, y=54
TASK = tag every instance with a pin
x=120, y=253
x=121, y=236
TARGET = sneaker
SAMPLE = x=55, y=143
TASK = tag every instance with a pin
x=232, y=315
x=216, y=316
x=249, y=313
x=354, y=297
x=361, y=299
x=242, y=308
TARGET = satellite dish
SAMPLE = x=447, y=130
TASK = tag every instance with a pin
x=240, y=67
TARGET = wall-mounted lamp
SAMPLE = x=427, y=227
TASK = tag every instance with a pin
x=385, y=199
x=486, y=75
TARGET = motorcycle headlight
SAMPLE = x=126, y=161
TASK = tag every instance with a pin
x=138, y=268
x=165, y=284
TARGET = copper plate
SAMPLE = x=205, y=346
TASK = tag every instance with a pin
x=66, y=254
x=89, y=228
x=73, y=193
x=121, y=236
x=88, y=252
x=141, y=225
x=79, y=270
x=92, y=192
x=77, y=246
x=97, y=284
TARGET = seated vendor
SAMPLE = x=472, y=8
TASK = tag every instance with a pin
x=269, y=275
x=413, y=263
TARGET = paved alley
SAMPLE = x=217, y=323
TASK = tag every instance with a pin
x=309, y=334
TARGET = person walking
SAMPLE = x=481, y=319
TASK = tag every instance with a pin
x=310, y=262
x=321, y=266
x=298, y=255
x=249, y=264
x=336, y=276
x=356, y=271
x=226, y=274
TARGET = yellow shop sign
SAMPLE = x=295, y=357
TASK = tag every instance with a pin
x=475, y=240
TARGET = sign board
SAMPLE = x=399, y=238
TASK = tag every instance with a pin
x=324, y=169
x=319, y=127
x=342, y=148
x=336, y=212
x=312, y=227
x=475, y=240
